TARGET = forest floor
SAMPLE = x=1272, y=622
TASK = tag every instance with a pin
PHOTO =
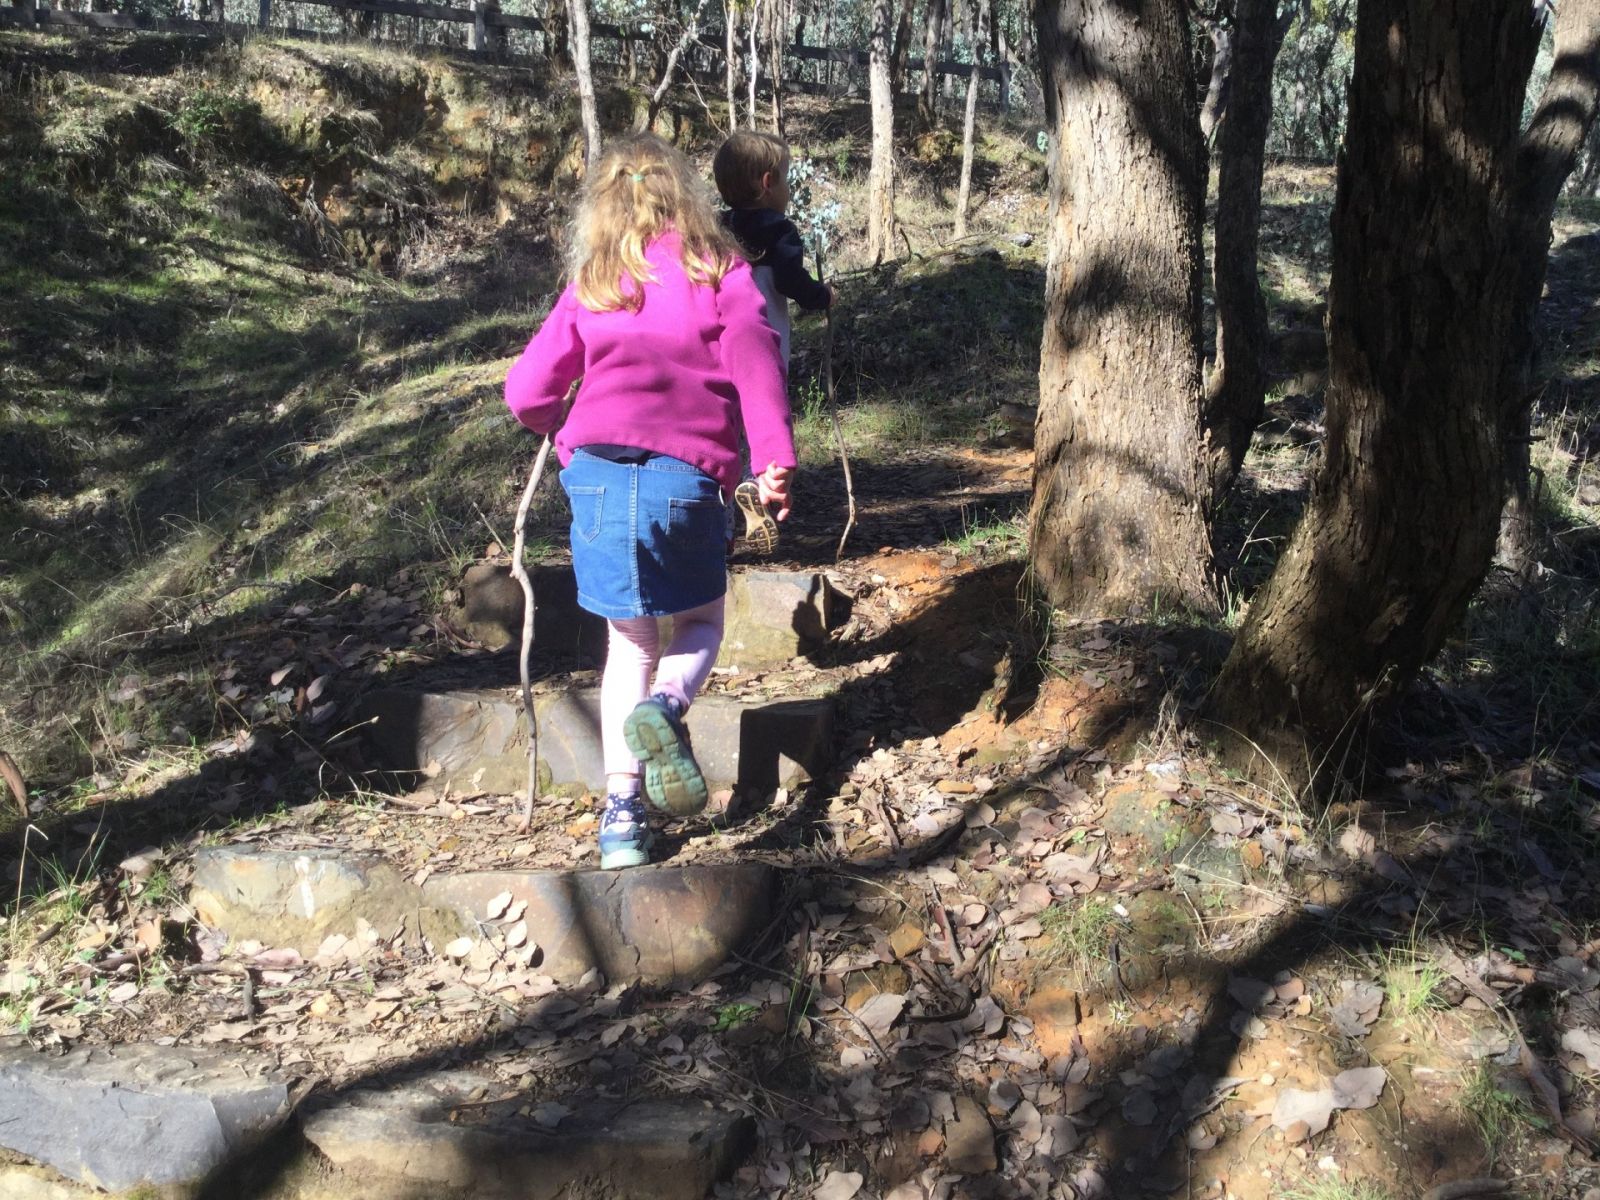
x=1037, y=943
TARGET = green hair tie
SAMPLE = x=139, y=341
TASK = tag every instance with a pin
x=638, y=176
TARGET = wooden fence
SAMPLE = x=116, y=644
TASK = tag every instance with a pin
x=486, y=30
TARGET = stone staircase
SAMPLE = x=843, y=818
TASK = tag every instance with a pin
x=202, y=1121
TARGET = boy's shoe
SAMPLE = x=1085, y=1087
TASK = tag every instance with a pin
x=760, y=530
x=655, y=735
x=625, y=835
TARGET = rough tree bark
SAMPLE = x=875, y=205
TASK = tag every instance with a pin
x=754, y=59
x=1237, y=388
x=578, y=15
x=880, y=178
x=1116, y=519
x=730, y=21
x=1216, y=101
x=970, y=122
x=1555, y=137
x=902, y=49
x=1427, y=266
x=932, y=36
x=779, y=11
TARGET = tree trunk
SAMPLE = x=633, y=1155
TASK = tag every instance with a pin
x=556, y=24
x=880, y=179
x=578, y=13
x=902, y=49
x=969, y=125
x=1216, y=101
x=1236, y=390
x=730, y=21
x=776, y=46
x=691, y=32
x=754, y=60
x=1116, y=518
x=932, y=36
x=1427, y=269
x=1560, y=127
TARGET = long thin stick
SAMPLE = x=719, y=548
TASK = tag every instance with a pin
x=833, y=414
x=519, y=571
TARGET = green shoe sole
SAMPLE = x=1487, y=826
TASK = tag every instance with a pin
x=672, y=778
x=618, y=859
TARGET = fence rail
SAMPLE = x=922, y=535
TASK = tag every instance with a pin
x=484, y=16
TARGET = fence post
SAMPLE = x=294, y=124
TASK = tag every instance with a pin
x=265, y=14
x=1005, y=85
x=480, y=28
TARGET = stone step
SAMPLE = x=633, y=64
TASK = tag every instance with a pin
x=669, y=925
x=476, y=741
x=414, y=1141
x=140, y=1120
x=118, y=1118
x=772, y=616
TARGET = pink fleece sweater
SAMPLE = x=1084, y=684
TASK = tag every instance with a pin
x=675, y=377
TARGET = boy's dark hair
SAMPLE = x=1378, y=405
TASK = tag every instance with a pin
x=742, y=160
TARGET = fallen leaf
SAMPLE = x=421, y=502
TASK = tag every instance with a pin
x=1583, y=1042
x=1033, y=898
x=1004, y=1095
x=1358, y=1008
x=460, y=948
x=1356, y=842
x=881, y=1012
x=1358, y=1087
x=1139, y=1107
x=1252, y=995
x=498, y=906
x=1303, y=1113
x=517, y=934
x=1026, y=1123
x=839, y=1185
x=123, y=992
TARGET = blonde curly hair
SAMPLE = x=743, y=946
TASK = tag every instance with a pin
x=641, y=188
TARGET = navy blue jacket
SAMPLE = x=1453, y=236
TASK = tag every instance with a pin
x=770, y=239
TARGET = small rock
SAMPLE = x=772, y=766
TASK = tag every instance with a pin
x=969, y=1140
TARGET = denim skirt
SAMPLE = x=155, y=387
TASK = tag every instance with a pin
x=648, y=539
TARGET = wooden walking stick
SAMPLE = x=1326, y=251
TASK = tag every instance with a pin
x=833, y=411
x=519, y=571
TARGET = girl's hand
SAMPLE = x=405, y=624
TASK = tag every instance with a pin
x=773, y=484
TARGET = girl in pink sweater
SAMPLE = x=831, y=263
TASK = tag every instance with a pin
x=666, y=327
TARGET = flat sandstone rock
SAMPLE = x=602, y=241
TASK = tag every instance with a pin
x=418, y=1139
x=667, y=924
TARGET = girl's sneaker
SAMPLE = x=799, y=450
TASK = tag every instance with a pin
x=655, y=734
x=624, y=833
x=760, y=530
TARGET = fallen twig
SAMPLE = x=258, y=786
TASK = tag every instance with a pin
x=519, y=571
x=833, y=415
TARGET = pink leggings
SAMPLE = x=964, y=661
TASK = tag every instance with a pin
x=632, y=653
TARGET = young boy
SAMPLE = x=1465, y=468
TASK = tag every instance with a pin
x=752, y=174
